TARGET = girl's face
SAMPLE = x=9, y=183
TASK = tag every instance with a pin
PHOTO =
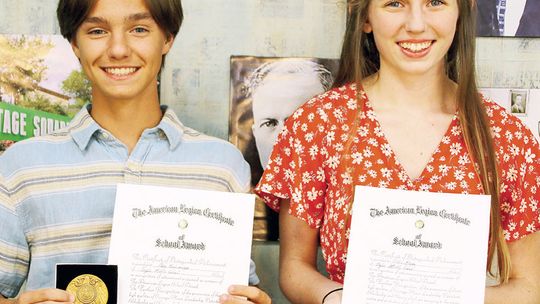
x=412, y=36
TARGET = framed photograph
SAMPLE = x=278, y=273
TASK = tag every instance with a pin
x=508, y=18
x=518, y=102
x=264, y=92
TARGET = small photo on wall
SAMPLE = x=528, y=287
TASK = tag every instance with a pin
x=518, y=102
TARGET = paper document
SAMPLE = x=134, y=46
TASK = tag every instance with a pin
x=179, y=246
x=417, y=247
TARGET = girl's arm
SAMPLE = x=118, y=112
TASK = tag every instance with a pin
x=298, y=276
x=524, y=284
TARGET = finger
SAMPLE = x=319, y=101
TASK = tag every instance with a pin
x=252, y=293
x=229, y=299
x=44, y=295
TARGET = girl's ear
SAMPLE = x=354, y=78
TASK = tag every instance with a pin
x=367, y=27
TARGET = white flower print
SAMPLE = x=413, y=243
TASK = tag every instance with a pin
x=367, y=164
x=320, y=175
x=511, y=174
x=357, y=158
x=463, y=160
x=514, y=150
x=362, y=131
x=351, y=104
x=529, y=156
x=306, y=177
x=367, y=152
x=347, y=178
x=522, y=206
x=312, y=194
x=533, y=205
x=425, y=187
x=298, y=113
x=313, y=151
x=443, y=170
x=386, y=149
x=386, y=173
x=455, y=148
x=451, y=186
x=333, y=162
x=512, y=226
x=297, y=196
x=338, y=114
x=459, y=174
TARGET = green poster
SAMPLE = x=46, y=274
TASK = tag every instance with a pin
x=17, y=123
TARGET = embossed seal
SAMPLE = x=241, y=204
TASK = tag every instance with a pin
x=183, y=224
x=88, y=289
x=419, y=224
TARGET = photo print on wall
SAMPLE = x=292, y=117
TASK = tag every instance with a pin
x=264, y=92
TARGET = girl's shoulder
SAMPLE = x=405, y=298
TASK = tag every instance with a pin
x=336, y=103
x=508, y=130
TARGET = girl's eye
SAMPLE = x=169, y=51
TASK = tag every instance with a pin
x=436, y=2
x=394, y=4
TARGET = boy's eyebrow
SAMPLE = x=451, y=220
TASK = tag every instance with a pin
x=96, y=20
x=139, y=16
x=133, y=17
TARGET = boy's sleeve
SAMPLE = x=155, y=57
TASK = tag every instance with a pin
x=14, y=252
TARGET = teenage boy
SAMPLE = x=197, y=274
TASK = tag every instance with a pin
x=57, y=192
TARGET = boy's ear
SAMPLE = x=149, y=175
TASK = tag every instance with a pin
x=75, y=48
x=168, y=44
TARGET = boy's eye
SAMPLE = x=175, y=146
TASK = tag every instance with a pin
x=96, y=32
x=140, y=30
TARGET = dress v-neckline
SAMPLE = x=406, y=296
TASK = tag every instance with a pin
x=396, y=165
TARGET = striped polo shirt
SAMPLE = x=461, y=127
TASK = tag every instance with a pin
x=57, y=192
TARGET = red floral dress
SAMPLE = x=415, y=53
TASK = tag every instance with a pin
x=306, y=168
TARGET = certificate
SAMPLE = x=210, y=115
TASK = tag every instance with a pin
x=178, y=245
x=417, y=247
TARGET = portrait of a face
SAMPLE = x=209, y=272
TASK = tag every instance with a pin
x=264, y=93
x=518, y=102
x=278, y=89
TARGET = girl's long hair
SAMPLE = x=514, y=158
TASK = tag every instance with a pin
x=360, y=59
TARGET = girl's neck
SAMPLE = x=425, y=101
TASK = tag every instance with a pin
x=428, y=93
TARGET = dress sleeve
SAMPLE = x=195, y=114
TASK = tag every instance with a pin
x=296, y=170
x=14, y=252
x=519, y=157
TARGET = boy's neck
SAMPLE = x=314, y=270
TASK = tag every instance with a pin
x=126, y=120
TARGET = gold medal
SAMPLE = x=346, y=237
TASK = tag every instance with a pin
x=88, y=289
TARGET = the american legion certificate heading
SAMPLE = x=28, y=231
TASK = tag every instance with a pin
x=417, y=247
x=179, y=246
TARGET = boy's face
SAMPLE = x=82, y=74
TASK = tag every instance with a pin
x=120, y=48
